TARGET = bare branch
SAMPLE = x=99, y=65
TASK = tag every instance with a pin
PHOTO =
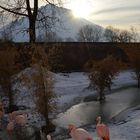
x=28, y=8
x=35, y=7
x=11, y=11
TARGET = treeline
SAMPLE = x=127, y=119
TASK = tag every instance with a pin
x=88, y=33
x=73, y=56
x=63, y=57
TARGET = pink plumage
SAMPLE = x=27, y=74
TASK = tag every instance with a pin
x=16, y=113
x=1, y=110
x=10, y=127
x=48, y=137
x=102, y=130
x=79, y=133
x=21, y=120
x=1, y=114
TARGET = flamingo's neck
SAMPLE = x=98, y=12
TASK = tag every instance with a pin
x=48, y=137
x=72, y=128
x=99, y=121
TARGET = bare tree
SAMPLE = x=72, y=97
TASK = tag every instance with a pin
x=29, y=9
x=124, y=36
x=102, y=74
x=52, y=37
x=97, y=34
x=89, y=34
x=8, y=68
x=49, y=37
x=45, y=97
x=134, y=34
x=6, y=33
x=111, y=34
x=55, y=58
x=134, y=62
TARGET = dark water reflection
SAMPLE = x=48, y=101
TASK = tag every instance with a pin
x=86, y=113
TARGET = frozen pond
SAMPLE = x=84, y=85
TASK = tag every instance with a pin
x=86, y=113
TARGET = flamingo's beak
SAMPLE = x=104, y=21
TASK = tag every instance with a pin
x=96, y=121
x=69, y=129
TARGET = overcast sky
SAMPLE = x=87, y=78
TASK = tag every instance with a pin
x=118, y=13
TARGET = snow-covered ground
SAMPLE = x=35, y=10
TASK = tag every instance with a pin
x=71, y=88
x=127, y=129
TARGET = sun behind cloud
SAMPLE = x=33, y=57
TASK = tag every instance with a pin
x=81, y=8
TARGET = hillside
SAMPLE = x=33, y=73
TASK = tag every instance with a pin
x=64, y=24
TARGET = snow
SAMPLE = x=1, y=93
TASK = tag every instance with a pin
x=123, y=79
x=115, y=104
x=65, y=25
x=70, y=89
x=71, y=86
x=127, y=129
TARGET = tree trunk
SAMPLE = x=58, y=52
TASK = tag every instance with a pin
x=47, y=119
x=32, y=30
x=10, y=99
x=46, y=100
x=101, y=96
x=37, y=135
x=138, y=79
x=32, y=15
x=139, y=82
x=10, y=95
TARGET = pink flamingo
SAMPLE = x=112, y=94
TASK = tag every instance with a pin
x=1, y=110
x=11, y=116
x=15, y=119
x=48, y=137
x=21, y=120
x=102, y=130
x=10, y=128
x=1, y=114
x=78, y=133
x=16, y=113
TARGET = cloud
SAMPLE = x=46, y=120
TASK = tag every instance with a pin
x=117, y=9
x=124, y=20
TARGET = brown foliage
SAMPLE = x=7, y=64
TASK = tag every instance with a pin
x=134, y=62
x=41, y=81
x=25, y=56
x=102, y=74
x=8, y=68
x=75, y=55
x=45, y=97
x=55, y=58
x=44, y=92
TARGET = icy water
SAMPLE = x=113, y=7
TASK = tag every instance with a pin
x=86, y=113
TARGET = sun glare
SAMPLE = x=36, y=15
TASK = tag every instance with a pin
x=81, y=8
